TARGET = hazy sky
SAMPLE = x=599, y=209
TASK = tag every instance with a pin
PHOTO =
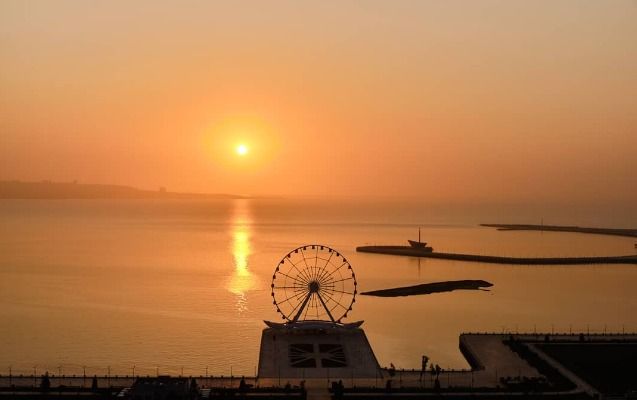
x=446, y=101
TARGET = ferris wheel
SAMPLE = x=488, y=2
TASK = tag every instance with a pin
x=313, y=282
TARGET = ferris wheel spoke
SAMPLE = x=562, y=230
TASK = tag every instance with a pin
x=290, y=298
x=296, y=296
x=340, y=291
x=301, y=272
x=321, y=269
x=316, y=305
x=297, y=290
x=288, y=287
x=327, y=262
x=295, y=286
x=307, y=267
x=312, y=269
x=340, y=280
x=333, y=279
x=301, y=275
x=295, y=279
x=306, y=308
x=337, y=303
x=339, y=267
x=295, y=307
x=304, y=273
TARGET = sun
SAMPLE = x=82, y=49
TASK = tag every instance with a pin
x=242, y=150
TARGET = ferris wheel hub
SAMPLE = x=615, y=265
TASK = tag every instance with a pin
x=314, y=286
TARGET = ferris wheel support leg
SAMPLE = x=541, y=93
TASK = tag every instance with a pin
x=298, y=314
x=325, y=306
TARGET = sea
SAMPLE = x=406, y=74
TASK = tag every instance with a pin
x=183, y=286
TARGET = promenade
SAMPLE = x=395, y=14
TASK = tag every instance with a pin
x=501, y=364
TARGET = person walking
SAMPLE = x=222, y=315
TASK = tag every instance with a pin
x=423, y=366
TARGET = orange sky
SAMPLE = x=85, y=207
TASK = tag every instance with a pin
x=457, y=101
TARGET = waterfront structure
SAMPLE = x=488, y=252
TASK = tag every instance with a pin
x=314, y=289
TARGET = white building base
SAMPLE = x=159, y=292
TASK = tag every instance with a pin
x=316, y=349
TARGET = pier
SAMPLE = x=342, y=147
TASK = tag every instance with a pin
x=416, y=252
x=558, y=228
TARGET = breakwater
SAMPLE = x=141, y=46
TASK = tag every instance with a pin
x=414, y=252
x=430, y=288
x=558, y=228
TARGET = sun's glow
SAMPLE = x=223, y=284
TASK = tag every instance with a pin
x=242, y=149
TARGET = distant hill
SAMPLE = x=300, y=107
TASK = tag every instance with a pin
x=72, y=190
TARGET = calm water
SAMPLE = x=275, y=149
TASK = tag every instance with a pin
x=166, y=284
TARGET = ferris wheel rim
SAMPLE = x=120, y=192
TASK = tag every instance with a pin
x=314, y=287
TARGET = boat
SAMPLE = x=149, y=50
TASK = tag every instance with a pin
x=419, y=244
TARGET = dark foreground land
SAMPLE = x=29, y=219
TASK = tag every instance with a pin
x=610, y=368
x=415, y=252
x=557, y=228
x=521, y=366
x=429, y=288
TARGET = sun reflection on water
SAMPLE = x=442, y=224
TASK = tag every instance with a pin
x=242, y=280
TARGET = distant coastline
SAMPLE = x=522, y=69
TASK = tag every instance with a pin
x=72, y=190
x=557, y=228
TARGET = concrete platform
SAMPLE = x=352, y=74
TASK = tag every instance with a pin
x=316, y=349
